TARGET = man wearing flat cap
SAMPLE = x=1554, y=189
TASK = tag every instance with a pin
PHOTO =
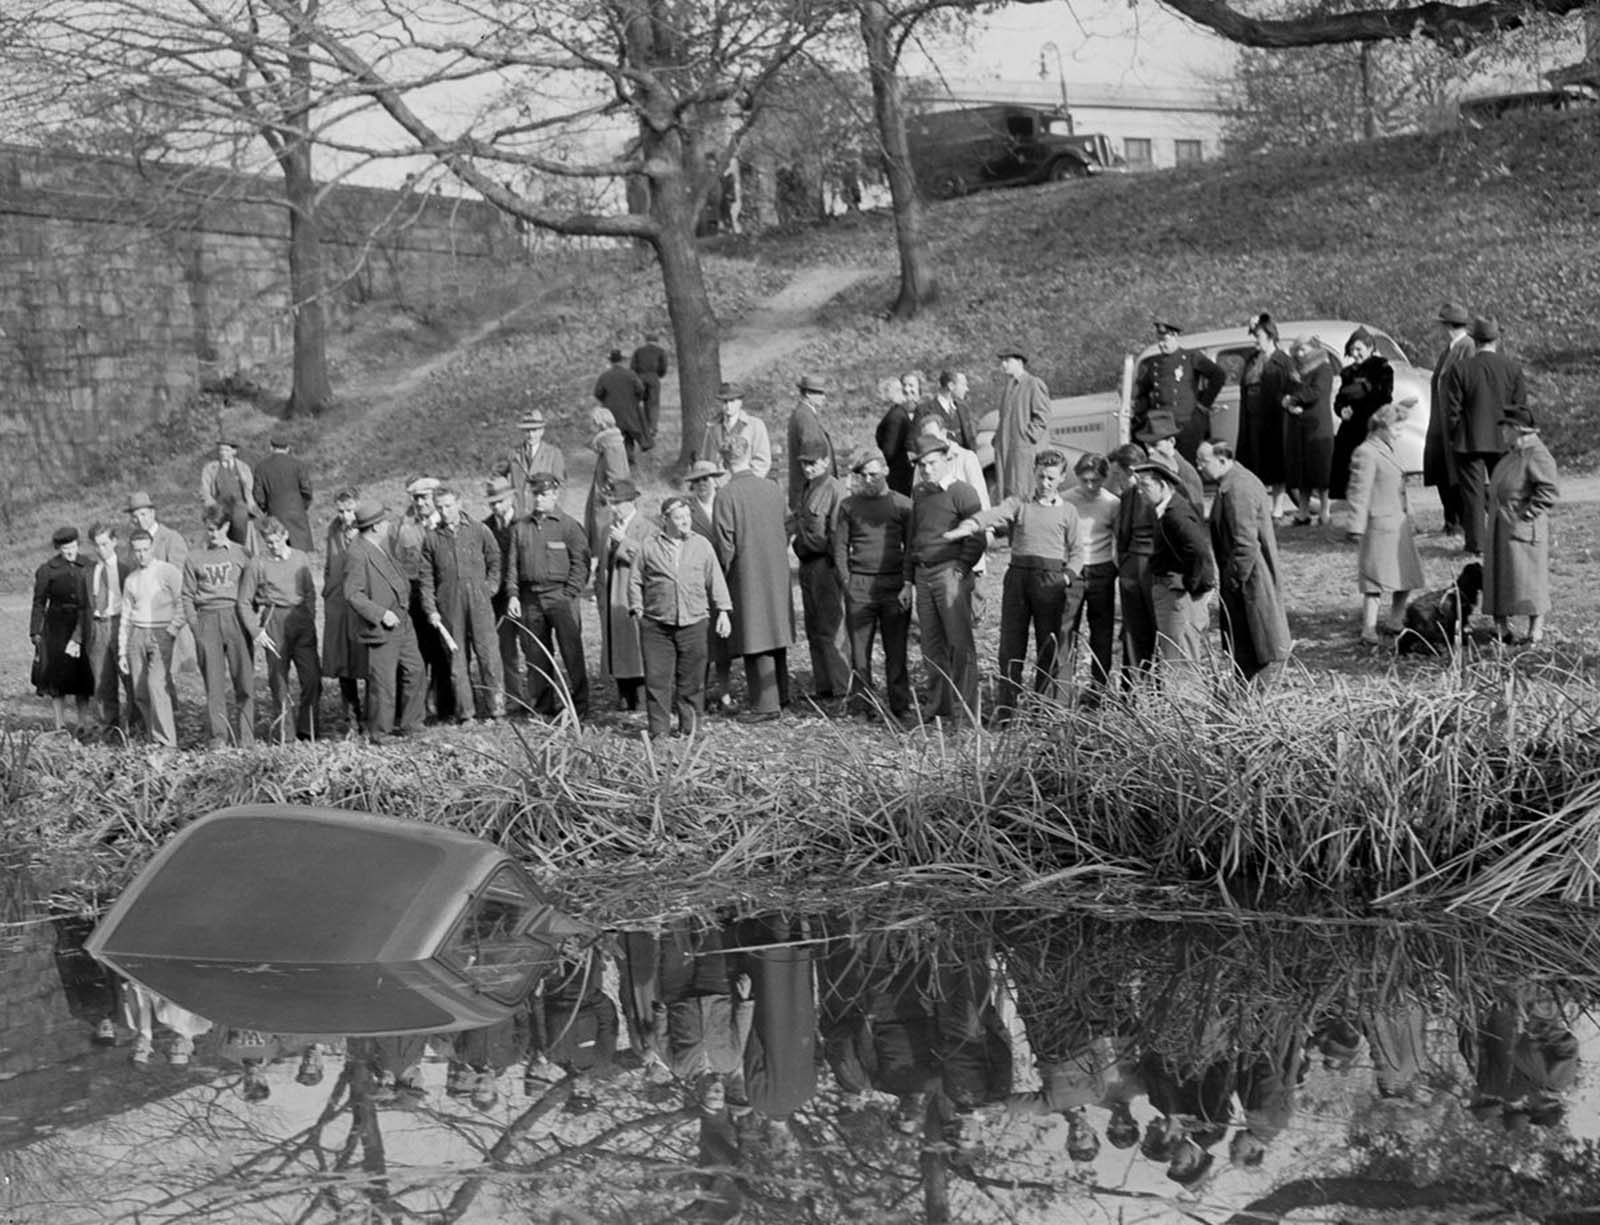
x=1181, y=382
x=1478, y=391
x=623, y=392
x=821, y=591
x=748, y=533
x=806, y=432
x=938, y=574
x=547, y=568
x=282, y=489
x=378, y=592
x=536, y=454
x=733, y=419
x=1024, y=419
x=1438, y=456
x=869, y=549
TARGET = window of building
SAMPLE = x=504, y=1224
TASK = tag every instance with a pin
x=1136, y=149
x=1186, y=152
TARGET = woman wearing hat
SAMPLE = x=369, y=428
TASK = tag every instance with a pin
x=610, y=466
x=1365, y=386
x=1267, y=377
x=1308, y=432
x=59, y=629
x=1516, y=563
x=1381, y=520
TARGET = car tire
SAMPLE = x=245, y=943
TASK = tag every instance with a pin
x=1066, y=168
x=950, y=186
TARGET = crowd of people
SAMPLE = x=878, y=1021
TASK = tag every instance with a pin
x=434, y=614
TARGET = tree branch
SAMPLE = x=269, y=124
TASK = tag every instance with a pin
x=1442, y=23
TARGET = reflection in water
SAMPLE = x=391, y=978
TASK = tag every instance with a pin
x=905, y=1070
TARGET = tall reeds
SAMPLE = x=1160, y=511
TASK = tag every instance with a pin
x=1467, y=791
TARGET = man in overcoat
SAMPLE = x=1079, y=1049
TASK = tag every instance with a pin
x=821, y=587
x=1477, y=392
x=1024, y=417
x=379, y=593
x=1181, y=382
x=649, y=362
x=623, y=392
x=807, y=431
x=1438, y=455
x=747, y=528
x=460, y=571
x=283, y=490
x=228, y=482
x=1255, y=628
x=733, y=419
x=536, y=454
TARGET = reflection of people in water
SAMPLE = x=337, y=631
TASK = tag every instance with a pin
x=1394, y=1033
x=1194, y=1105
x=1268, y=1076
x=479, y=1056
x=780, y=1066
x=574, y=1028
x=396, y=1064
x=688, y=1011
x=1521, y=1066
x=143, y=1009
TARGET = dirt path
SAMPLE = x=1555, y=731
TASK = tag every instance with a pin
x=785, y=324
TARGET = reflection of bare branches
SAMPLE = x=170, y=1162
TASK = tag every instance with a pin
x=552, y=1100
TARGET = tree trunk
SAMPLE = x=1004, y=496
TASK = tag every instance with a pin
x=1369, y=110
x=311, y=392
x=918, y=287
x=694, y=323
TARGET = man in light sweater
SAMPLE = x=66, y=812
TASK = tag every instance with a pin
x=212, y=578
x=938, y=574
x=152, y=615
x=1096, y=592
x=1044, y=564
x=279, y=589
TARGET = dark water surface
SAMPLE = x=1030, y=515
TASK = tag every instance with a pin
x=1005, y=1066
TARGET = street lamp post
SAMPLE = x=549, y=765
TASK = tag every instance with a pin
x=1061, y=77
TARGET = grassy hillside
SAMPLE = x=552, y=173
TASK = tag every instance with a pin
x=1507, y=221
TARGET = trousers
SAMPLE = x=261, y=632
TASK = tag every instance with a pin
x=944, y=613
x=394, y=671
x=1472, y=471
x=674, y=674
x=1095, y=595
x=822, y=608
x=150, y=680
x=294, y=632
x=550, y=630
x=1036, y=599
x=225, y=656
x=872, y=606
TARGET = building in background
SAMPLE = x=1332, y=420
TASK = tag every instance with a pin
x=1152, y=128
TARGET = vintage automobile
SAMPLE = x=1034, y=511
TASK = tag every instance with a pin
x=1099, y=422
x=303, y=920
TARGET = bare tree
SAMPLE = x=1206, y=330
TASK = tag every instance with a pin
x=645, y=90
x=192, y=81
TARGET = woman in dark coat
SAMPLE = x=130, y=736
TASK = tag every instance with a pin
x=343, y=653
x=1366, y=385
x=1263, y=383
x=1308, y=431
x=59, y=629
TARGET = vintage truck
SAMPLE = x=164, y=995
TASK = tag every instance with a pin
x=959, y=151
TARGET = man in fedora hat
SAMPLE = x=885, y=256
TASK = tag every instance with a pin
x=869, y=549
x=405, y=544
x=747, y=530
x=165, y=544
x=703, y=480
x=282, y=489
x=806, y=431
x=1478, y=391
x=821, y=590
x=1159, y=437
x=1181, y=382
x=502, y=498
x=536, y=454
x=732, y=420
x=1438, y=452
x=937, y=573
x=378, y=592
x=228, y=482
x=1183, y=572
x=623, y=392
x=649, y=362
x=1255, y=628
x=547, y=568
x=1024, y=417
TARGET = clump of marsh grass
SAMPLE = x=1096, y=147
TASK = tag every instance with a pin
x=1335, y=796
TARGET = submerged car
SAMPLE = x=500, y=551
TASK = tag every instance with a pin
x=301, y=920
x=1100, y=421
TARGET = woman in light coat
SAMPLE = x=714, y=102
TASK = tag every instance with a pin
x=610, y=465
x=1516, y=563
x=1381, y=521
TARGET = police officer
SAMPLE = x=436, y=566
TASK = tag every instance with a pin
x=547, y=568
x=1181, y=382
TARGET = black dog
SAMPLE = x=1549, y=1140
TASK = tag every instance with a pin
x=1436, y=621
